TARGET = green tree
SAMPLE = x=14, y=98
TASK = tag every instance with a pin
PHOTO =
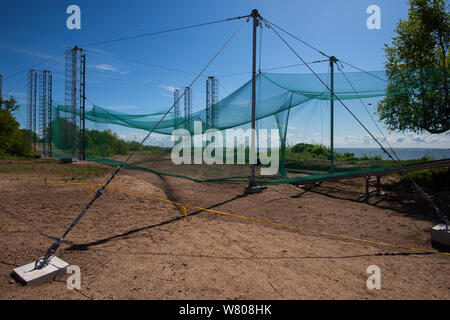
x=418, y=61
x=13, y=141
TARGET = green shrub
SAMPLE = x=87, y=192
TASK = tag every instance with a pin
x=319, y=151
x=311, y=150
x=433, y=179
x=13, y=141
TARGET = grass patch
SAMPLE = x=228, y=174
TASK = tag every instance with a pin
x=18, y=168
x=316, y=158
x=29, y=156
x=25, y=165
x=156, y=149
x=51, y=167
x=432, y=179
x=81, y=173
x=318, y=151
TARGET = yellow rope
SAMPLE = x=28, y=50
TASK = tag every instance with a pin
x=183, y=210
x=91, y=188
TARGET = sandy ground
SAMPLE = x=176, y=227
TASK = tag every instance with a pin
x=135, y=248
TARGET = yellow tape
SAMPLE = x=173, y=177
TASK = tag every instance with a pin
x=326, y=234
x=76, y=183
x=183, y=211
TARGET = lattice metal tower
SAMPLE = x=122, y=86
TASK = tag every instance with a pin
x=1, y=87
x=82, y=102
x=72, y=97
x=176, y=109
x=212, y=94
x=188, y=108
x=44, y=114
x=42, y=110
x=49, y=111
x=31, y=107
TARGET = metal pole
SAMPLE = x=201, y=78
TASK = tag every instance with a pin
x=30, y=108
x=34, y=109
x=252, y=187
x=50, y=104
x=252, y=183
x=366, y=196
x=332, y=61
x=83, y=103
x=74, y=100
x=208, y=103
x=378, y=185
x=43, y=109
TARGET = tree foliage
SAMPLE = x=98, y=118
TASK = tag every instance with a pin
x=319, y=151
x=99, y=143
x=13, y=141
x=418, y=61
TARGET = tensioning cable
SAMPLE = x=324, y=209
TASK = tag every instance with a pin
x=21, y=83
x=363, y=70
x=295, y=37
x=139, y=62
x=43, y=261
x=321, y=52
x=133, y=37
x=164, y=31
x=367, y=110
x=269, y=69
x=183, y=211
x=438, y=211
x=33, y=66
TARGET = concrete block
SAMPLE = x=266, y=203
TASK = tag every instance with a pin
x=27, y=275
x=440, y=235
x=68, y=160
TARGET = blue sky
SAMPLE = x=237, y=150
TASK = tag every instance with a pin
x=36, y=30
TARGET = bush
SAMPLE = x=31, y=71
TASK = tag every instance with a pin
x=311, y=150
x=13, y=141
x=433, y=179
x=320, y=151
x=300, y=147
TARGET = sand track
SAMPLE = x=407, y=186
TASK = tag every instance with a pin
x=134, y=248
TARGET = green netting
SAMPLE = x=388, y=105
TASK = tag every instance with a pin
x=277, y=93
x=279, y=96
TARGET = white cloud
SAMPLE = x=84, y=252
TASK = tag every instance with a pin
x=167, y=88
x=108, y=67
x=155, y=139
x=397, y=140
x=132, y=136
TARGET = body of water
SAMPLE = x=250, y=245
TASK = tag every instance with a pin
x=402, y=153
